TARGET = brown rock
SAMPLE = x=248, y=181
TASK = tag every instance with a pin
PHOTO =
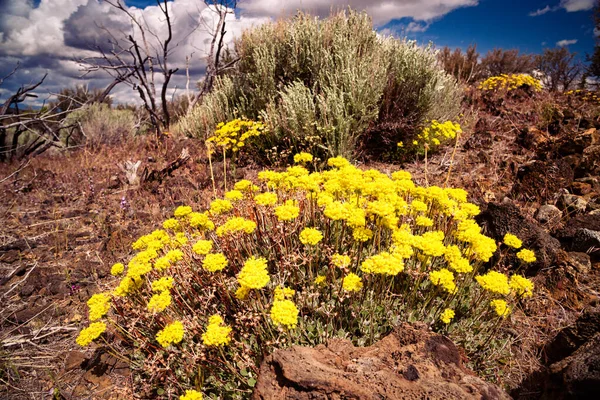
x=581, y=189
x=408, y=364
x=73, y=360
x=541, y=180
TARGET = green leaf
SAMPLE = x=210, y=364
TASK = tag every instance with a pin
x=160, y=391
x=251, y=382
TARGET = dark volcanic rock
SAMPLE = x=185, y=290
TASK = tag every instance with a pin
x=408, y=364
x=502, y=218
x=541, y=180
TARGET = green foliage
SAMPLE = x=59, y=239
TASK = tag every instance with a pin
x=100, y=124
x=320, y=85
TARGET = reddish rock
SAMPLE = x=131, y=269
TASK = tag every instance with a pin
x=410, y=363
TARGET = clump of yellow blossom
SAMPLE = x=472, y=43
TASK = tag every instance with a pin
x=302, y=158
x=182, y=211
x=117, y=269
x=171, y=224
x=236, y=224
x=447, y=316
x=443, y=278
x=310, y=236
x=361, y=234
x=320, y=280
x=284, y=312
x=340, y=260
x=91, y=333
x=214, y=262
x=522, y=286
x=202, y=247
x=254, y=274
x=234, y=134
x=201, y=221
x=162, y=284
x=383, y=263
x=512, y=241
x=99, y=304
x=510, y=82
x=287, y=211
x=159, y=302
x=437, y=133
x=217, y=333
x=526, y=255
x=494, y=282
x=191, y=395
x=171, y=334
x=352, y=283
x=220, y=206
x=266, y=199
x=501, y=307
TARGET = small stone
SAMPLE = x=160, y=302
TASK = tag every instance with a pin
x=73, y=360
x=573, y=202
x=586, y=240
x=548, y=213
x=581, y=262
x=581, y=189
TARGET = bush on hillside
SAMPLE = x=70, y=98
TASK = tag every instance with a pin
x=98, y=123
x=320, y=85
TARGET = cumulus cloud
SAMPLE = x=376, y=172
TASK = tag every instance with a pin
x=382, y=11
x=51, y=36
x=566, y=42
x=567, y=5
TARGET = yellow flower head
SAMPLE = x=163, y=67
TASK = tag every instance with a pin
x=117, y=269
x=320, y=280
x=182, y=211
x=302, y=158
x=99, y=304
x=234, y=195
x=282, y=293
x=89, y=334
x=191, y=395
x=162, y=284
x=512, y=241
x=521, y=286
x=340, y=261
x=494, y=282
x=254, y=274
x=527, y=256
x=159, y=302
x=361, y=234
x=220, y=206
x=501, y=307
x=217, y=333
x=352, y=283
x=310, y=236
x=284, y=312
x=287, y=211
x=266, y=199
x=172, y=224
x=447, y=316
x=202, y=247
x=444, y=278
x=214, y=262
x=171, y=334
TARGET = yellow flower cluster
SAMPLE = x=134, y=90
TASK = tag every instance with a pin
x=202, y=247
x=447, y=316
x=494, y=282
x=171, y=334
x=352, y=283
x=443, y=278
x=340, y=260
x=182, y=211
x=158, y=302
x=510, y=82
x=512, y=241
x=310, y=236
x=501, y=307
x=220, y=206
x=234, y=134
x=266, y=199
x=217, y=333
x=284, y=312
x=191, y=395
x=117, y=269
x=254, y=274
x=437, y=133
x=214, y=262
x=202, y=221
x=302, y=158
x=162, y=284
x=527, y=256
x=99, y=304
x=171, y=224
x=383, y=263
x=585, y=95
x=287, y=211
x=91, y=333
x=236, y=224
x=521, y=286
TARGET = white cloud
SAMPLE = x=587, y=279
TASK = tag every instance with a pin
x=382, y=11
x=50, y=36
x=566, y=42
x=416, y=27
x=540, y=11
x=577, y=5
x=567, y=5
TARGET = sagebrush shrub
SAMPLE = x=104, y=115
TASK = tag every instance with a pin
x=319, y=85
x=101, y=124
x=298, y=258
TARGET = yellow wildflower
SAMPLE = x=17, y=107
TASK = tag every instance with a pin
x=98, y=304
x=521, y=286
x=266, y=199
x=512, y=241
x=501, y=307
x=159, y=302
x=217, y=333
x=352, y=283
x=202, y=247
x=89, y=334
x=287, y=211
x=171, y=334
x=310, y=236
x=191, y=395
x=526, y=255
x=162, y=284
x=214, y=262
x=494, y=282
x=303, y=158
x=182, y=211
x=447, y=316
x=117, y=269
x=284, y=312
x=340, y=261
x=254, y=274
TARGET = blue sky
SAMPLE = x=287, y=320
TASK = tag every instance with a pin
x=507, y=24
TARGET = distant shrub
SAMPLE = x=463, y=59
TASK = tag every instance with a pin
x=511, y=82
x=319, y=85
x=465, y=67
x=499, y=61
x=101, y=124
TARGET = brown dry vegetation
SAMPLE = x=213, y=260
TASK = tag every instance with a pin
x=65, y=218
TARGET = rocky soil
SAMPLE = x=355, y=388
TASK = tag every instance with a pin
x=531, y=162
